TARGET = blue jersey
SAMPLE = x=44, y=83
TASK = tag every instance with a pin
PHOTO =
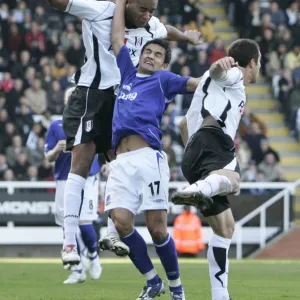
x=63, y=163
x=142, y=100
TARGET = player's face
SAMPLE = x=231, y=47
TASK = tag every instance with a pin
x=141, y=11
x=152, y=59
x=256, y=69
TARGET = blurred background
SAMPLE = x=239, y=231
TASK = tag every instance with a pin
x=39, y=52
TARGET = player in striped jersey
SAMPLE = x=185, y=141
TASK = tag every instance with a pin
x=209, y=163
x=88, y=115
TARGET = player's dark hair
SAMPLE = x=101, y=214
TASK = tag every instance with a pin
x=243, y=50
x=164, y=44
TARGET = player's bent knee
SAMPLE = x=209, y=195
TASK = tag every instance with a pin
x=123, y=220
x=158, y=235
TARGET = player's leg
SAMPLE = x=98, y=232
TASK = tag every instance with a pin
x=156, y=176
x=219, y=182
x=122, y=201
x=156, y=221
x=111, y=241
x=88, y=233
x=223, y=227
x=82, y=129
x=77, y=273
x=138, y=254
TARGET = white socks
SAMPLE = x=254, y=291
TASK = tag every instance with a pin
x=212, y=185
x=73, y=199
x=217, y=255
x=111, y=226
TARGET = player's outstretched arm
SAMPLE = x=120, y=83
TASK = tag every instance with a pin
x=59, y=4
x=118, y=27
x=190, y=36
x=192, y=84
x=218, y=69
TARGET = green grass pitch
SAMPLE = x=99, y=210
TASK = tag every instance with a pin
x=41, y=279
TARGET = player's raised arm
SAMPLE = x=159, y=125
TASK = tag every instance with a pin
x=218, y=70
x=190, y=36
x=87, y=9
x=118, y=27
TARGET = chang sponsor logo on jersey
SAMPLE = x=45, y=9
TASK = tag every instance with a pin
x=130, y=96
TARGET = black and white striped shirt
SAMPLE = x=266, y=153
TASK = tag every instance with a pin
x=225, y=100
x=100, y=69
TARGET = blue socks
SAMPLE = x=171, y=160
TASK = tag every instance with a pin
x=89, y=238
x=140, y=258
x=168, y=256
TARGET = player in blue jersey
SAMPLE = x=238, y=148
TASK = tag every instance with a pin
x=139, y=176
x=54, y=151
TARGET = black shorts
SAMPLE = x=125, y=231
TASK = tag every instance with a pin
x=209, y=149
x=88, y=117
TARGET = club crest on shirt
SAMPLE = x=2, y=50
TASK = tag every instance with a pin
x=138, y=41
x=88, y=126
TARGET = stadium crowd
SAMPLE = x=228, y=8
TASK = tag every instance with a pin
x=41, y=48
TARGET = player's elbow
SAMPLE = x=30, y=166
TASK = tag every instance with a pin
x=49, y=157
x=59, y=4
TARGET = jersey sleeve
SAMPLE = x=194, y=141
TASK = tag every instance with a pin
x=159, y=29
x=173, y=84
x=233, y=76
x=124, y=63
x=90, y=9
x=51, y=139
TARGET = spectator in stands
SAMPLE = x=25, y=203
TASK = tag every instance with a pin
x=293, y=57
x=32, y=174
x=292, y=13
x=13, y=151
x=254, y=138
x=36, y=156
x=36, y=132
x=45, y=170
x=9, y=175
x=68, y=36
x=247, y=119
x=216, y=50
x=35, y=41
x=285, y=85
x=243, y=154
x=59, y=68
x=36, y=97
x=266, y=149
x=12, y=98
x=55, y=99
x=270, y=168
x=277, y=61
x=204, y=25
x=4, y=58
x=188, y=234
x=277, y=15
x=3, y=165
x=24, y=121
x=21, y=166
x=201, y=66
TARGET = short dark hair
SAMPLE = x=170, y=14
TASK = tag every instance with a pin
x=164, y=44
x=243, y=50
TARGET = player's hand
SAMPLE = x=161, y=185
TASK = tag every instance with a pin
x=193, y=37
x=60, y=146
x=226, y=63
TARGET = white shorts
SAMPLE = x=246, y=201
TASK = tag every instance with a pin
x=89, y=205
x=138, y=181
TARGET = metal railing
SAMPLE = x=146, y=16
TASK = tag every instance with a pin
x=289, y=189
